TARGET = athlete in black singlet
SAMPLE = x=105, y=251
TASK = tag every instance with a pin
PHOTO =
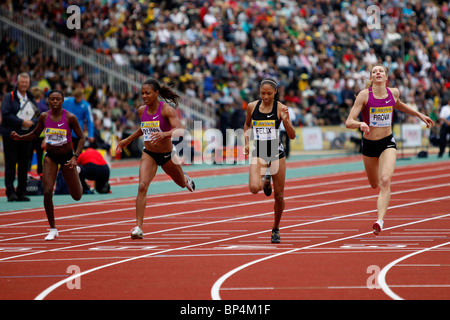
x=268, y=157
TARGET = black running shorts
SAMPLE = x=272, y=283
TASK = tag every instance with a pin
x=374, y=148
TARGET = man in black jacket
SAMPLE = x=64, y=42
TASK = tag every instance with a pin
x=17, y=116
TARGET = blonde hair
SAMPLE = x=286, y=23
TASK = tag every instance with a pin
x=369, y=83
x=36, y=92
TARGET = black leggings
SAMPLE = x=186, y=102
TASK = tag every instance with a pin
x=98, y=173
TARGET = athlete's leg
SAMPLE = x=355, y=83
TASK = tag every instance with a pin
x=49, y=172
x=278, y=172
x=175, y=171
x=371, y=167
x=147, y=171
x=386, y=170
x=258, y=169
x=73, y=182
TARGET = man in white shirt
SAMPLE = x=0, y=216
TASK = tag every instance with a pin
x=444, y=117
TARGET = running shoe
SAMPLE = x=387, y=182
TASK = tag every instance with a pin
x=377, y=227
x=52, y=234
x=276, y=236
x=267, y=186
x=190, y=184
x=137, y=233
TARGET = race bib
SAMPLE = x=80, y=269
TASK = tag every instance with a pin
x=264, y=130
x=148, y=127
x=381, y=116
x=55, y=137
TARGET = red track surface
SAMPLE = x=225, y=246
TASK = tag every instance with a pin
x=215, y=243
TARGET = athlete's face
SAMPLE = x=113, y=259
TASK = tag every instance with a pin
x=378, y=74
x=149, y=95
x=267, y=93
x=55, y=100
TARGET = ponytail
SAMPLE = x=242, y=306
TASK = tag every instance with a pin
x=164, y=91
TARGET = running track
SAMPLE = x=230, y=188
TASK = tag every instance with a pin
x=215, y=243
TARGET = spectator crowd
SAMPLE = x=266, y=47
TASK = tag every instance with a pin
x=319, y=52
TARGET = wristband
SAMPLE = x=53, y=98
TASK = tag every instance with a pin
x=75, y=155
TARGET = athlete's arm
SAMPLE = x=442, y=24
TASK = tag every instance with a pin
x=33, y=134
x=125, y=142
x=284, y=114
x=352, y=121
x=248, y=125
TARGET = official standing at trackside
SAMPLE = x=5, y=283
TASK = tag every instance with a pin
x=17, y=153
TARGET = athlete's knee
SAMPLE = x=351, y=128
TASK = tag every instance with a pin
x=77, y=196
x=374, y=185
x=48, y=194
x=279, y=197
x=385, y=181
x=254, y=188
x=142, y=187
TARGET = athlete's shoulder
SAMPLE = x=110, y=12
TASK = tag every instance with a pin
x=70, y=114
x=251, y=106
x=141, y=110
x=280, y=104
x=363, y=94
x=167, y=110
x=395, y=92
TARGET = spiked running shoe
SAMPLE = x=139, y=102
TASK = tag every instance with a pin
x=267, y=187
x=275, y=236
x=137, y=233
x=190, y=184
x=377, y=227
x=52, y=234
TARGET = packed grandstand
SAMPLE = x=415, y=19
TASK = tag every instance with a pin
x=217, y=52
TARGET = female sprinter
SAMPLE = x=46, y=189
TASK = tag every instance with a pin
x=377, y=103
x=58, y=124
x=158, y=122
x=268, y=155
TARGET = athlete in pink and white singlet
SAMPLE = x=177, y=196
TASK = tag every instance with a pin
x=377, y=103
x=158, y=122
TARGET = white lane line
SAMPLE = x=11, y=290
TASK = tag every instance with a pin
x=215, y=295
x=217, y=221
x=222, y=207
x=303, y=179
x=382, y=275
x=216, y=286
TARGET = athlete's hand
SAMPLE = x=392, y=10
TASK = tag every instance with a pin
x=246, y=148
x=72, y=163
x=364, y=128
x=157, y=136
x=122, y=144
x=427, y=120
x=284, y=113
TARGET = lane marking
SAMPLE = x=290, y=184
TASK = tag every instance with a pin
x=362, y=178
x=382, y=275
x=216, y=286
x=220, y=207
x=217, y=221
